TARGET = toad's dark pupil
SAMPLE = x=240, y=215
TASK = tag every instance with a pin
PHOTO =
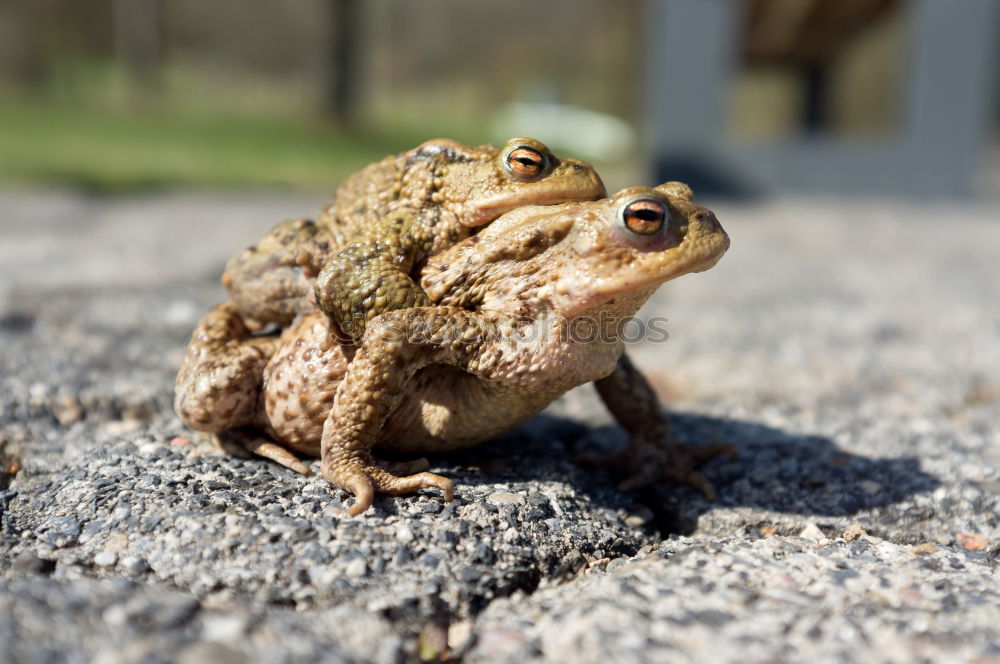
x=526, y=163
x=644, y=217
x=646, y=214
x=525, y=159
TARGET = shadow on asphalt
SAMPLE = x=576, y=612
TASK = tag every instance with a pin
x=776, y=471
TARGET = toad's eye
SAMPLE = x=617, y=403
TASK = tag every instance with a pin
x=644, y=216
x=526, y=163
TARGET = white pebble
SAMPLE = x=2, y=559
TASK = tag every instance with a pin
x=105, y=558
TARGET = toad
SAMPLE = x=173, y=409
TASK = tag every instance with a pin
x=385, y=221
x=512, y=326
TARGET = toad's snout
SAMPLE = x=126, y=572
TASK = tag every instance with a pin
x=584, y=172
x=705, y=221
x=705, y=236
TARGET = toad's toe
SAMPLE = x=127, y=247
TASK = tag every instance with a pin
x=364, y=478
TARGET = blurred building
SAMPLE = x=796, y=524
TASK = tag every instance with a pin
x=880, y=96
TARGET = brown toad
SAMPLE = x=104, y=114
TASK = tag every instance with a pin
x=497, y=347
x=383, y=223
x=386, y=220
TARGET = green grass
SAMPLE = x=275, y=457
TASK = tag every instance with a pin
x=106, y=150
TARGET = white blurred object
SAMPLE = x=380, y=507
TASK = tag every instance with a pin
x=579, y=132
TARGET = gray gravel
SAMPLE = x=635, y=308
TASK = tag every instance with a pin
x=757, y=599
x=847, y=348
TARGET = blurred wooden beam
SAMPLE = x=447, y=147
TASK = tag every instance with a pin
x=343, y=60
x=806, y=32
x=773, y=26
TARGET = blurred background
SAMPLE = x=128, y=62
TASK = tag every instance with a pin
x=739, y=97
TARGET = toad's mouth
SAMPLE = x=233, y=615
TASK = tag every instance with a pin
x=489, y=210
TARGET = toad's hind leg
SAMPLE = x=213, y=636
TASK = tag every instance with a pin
x=244, y=442
x=219, y=384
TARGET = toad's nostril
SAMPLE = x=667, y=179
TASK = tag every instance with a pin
x=705, y=218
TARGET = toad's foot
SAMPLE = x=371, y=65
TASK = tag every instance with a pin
x=404, y=467
x=364, y=477
x=241, y=442
x=648, y=462
x=653, y=452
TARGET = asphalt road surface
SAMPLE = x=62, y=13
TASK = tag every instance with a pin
x=850, y=349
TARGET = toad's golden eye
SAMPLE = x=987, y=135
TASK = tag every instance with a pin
x=526, y=163
x=644, y=216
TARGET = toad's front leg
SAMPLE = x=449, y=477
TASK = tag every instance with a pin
x=653, y=452
x=396, y=346
x=372, y=276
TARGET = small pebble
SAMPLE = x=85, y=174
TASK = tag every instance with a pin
x=853, y=532
x=973, y=542
x=634, y=521
x=924, y=549
x=505, y=498
x=67, y=410
x=105, y=558
x=812, y=531
x=134, y=564
x=149, y=448
x=615, y=564
x=459, y=635
x=357, y=568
